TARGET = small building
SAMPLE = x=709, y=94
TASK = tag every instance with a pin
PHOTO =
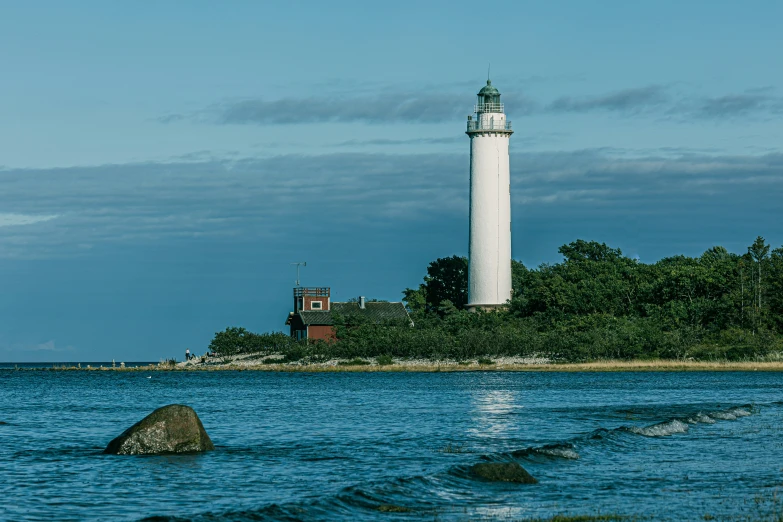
x=314, y=313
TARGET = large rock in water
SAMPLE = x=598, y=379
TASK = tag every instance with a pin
x=503, y=472
x=170, y=429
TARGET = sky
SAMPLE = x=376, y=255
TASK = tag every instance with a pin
x=163, y=163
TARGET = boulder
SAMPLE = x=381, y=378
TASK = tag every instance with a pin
x=503, y=472
x=391, y=508
x=170, y=429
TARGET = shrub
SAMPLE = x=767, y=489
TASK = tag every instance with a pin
x=384, y=360
x=294, y=353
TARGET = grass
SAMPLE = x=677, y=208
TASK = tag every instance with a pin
x=668, y=365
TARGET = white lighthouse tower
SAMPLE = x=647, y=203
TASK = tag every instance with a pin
x=489, y=258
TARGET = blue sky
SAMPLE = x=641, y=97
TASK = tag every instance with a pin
x=162, y=163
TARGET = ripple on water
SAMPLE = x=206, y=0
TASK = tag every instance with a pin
x=368, y=446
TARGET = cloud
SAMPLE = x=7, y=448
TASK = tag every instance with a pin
x=436, y=105
x=171, y=118
x=657, y=100
x=386, y=107
x=271, y=200
x=392, y=142
x=48, y=346
x=627, y=101
x=244, y=199
x=9, y=220
x=736, y=105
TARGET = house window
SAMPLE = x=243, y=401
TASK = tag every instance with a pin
x=301, y=334
x=315, y=305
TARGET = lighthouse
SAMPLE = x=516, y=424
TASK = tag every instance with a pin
x=489, y=257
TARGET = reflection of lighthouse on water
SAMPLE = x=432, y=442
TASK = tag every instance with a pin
x=494, y=413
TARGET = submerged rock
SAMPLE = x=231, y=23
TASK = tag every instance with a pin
x=170, y=429
x=391, y=508
x=503, y=472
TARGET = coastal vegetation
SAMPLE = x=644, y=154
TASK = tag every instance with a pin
x=595, y=304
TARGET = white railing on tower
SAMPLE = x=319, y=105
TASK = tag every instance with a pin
x=488, y=107
x=478, y=125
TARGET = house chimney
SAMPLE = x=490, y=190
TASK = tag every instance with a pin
x=361, y=302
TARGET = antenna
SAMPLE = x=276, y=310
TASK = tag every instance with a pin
x=489, y=66
x=298, y=264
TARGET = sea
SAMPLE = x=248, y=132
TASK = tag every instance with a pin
x=396, y=446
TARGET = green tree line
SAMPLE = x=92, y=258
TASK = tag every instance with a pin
x=595, y=303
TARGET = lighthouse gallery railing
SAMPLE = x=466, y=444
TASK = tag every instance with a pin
x=488, y=107
x=478, y=125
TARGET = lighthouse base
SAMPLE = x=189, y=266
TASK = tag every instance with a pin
x=486, y=307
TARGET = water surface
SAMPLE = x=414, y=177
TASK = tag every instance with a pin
x=339, y=446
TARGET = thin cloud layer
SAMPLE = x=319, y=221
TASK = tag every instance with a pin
x=738, y=105
x=627, y=100
x=384, y=108
x=447, y=140
x=657, y=100
x=10, y=220
x=388, y=108
x=262, y=200
x=416, y=108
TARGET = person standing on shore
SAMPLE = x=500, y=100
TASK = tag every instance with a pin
x=187, y=354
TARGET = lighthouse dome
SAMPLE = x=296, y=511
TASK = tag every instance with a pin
x=489, y=90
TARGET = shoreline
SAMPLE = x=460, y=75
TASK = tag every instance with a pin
x=421, y=366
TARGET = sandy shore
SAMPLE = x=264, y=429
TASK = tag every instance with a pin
x=503, y=364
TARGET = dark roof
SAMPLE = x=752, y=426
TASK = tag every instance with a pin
x=489, y=90
x=373, y=312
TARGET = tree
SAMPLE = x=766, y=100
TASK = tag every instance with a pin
x=415, y=299
x=594, y=278
x=759, y=251
x=235, y=340
x=741, y=268
x=447, y=280
x=581, y=250
x=519, y=276
x=775, y=288
x=230, y=342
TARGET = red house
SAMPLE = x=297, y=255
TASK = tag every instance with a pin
x=314, y=311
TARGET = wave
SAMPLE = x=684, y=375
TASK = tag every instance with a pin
x=701, y=418
x=563, y=450
x=681, y=424
x=434, y=495
x=662, y=429
x=568, y=449
x=731, y=414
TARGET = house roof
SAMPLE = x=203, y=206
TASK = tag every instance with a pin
x=373, y=312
